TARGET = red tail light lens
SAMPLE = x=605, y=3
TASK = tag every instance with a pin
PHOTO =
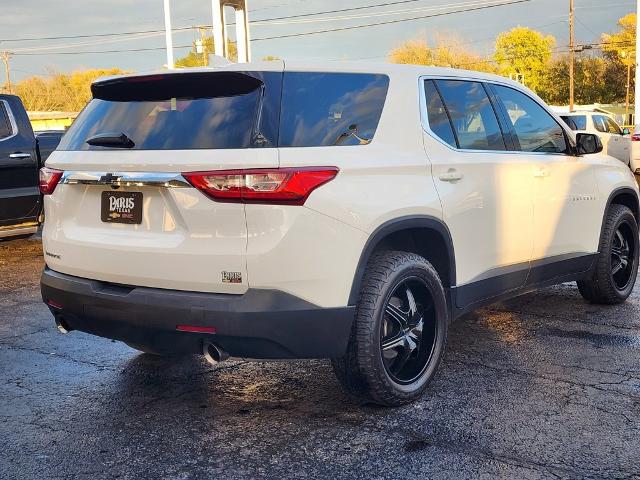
x=49, y=178
x=280, y=186
x=635, y=137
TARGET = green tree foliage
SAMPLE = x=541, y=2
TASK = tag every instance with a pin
x=524, y=52
x=195, y=59
x=60, y=92
x=597, y=80
x=447, y=51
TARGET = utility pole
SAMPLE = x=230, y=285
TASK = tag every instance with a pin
x=572, y=53
x=203, y=45
x=7, y=68
x=628, y=60
x=168, y=34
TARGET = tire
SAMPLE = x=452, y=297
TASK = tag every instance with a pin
x=419, y=340
x=614, y=274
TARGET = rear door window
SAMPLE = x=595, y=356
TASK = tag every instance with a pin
x=600, y=124
x=535, y=129
x=472, y=115
x=324, y=109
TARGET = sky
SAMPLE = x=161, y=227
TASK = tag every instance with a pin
x=26, y=19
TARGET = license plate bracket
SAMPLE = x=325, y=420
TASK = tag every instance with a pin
x=121, y=207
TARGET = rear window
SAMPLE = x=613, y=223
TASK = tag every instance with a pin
x=180, y=112
x=229, y=110
x=575, y=122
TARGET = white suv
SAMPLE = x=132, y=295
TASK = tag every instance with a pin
x=616, y=141
x=307, y=211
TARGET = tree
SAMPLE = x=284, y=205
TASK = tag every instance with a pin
x=622, y=45
x=196, y=59
x=448, y=51
x=524, y=52
x=60, y=92
x=620, y=49
x=597, y=79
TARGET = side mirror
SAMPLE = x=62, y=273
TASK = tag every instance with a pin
x=626, y=131
x=588, y=143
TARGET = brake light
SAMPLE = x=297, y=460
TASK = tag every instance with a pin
x=49, y=178
x=282, y=186
x=635, y=137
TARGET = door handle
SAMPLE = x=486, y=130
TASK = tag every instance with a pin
x=452, y=175
x=541, y=172
x=19, y=155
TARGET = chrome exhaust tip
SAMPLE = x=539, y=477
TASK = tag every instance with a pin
x=213, y=354
x=62, y=326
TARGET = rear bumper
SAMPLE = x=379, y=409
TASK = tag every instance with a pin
x=259, y=324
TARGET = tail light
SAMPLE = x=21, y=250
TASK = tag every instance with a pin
x=635, y=137
x=49, y=178
x=281, y=186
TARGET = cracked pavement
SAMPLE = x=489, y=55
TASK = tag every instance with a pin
x=542, y=386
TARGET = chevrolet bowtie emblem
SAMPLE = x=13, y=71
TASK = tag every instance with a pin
x=110, y=179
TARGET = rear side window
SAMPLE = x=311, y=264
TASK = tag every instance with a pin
x=575, y=122
x=323, y=109
x=474, y=120
x=437, y=115
x=536, y=130
x=181, y=112
x=5, y=124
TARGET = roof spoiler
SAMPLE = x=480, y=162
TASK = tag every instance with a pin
x=163, y=86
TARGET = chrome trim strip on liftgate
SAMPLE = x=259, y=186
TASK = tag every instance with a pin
x=125, y=179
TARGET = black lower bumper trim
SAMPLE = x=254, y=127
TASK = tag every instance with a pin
x=258, y=324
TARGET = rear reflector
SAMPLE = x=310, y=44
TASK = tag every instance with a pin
x=55, y=305
x=279, y=186
x=195, y=329
x=49, y=178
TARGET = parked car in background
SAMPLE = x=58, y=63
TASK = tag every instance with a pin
x=22, y=153
x=616, y=141
x=347, y=212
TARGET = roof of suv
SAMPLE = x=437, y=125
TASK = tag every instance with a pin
x=391, y=69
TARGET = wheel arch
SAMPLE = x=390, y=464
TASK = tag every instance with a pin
x=623, y=196
x=421, y=234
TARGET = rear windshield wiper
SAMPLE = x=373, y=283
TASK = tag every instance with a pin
x=111, y=139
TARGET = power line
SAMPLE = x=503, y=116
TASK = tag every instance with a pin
x=286, y=17
x=137, y=32
x=98, y=51
x=315, y=32
x=388, y=22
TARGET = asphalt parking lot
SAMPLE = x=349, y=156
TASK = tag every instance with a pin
x=543, y=386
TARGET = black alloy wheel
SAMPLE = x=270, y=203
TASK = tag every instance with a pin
x=613, y=274
x=408, y=331
x=622, y=255
x=399, y=332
